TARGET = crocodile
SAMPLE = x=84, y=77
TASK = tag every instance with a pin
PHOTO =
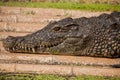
x=97, y=36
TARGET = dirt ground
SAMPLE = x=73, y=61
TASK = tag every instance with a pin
x=17, y=21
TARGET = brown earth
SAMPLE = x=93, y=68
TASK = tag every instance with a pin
x=17, y=21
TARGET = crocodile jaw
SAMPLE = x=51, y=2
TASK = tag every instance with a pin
x=8, y=43
x=18, y=44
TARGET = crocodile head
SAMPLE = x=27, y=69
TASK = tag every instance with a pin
x=94, y=36
x=59, y=36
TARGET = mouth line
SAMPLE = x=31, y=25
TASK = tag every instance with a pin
x=34, y=48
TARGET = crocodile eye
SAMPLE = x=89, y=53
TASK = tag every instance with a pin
x=56, y=28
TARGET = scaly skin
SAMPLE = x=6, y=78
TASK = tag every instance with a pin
x=94, y=36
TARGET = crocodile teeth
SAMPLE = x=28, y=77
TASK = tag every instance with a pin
x=25, y=48
x=29, y=49
x=40, y=46
x=19, y=45
x=48, y=44
x=8, y=49
x=22, y=47
x=13, y=49
x=33, y=50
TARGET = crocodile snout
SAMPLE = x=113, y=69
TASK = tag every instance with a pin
x=9, y=42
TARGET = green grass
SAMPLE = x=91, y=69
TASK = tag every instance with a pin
x=52, y=77
x=67, y=5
